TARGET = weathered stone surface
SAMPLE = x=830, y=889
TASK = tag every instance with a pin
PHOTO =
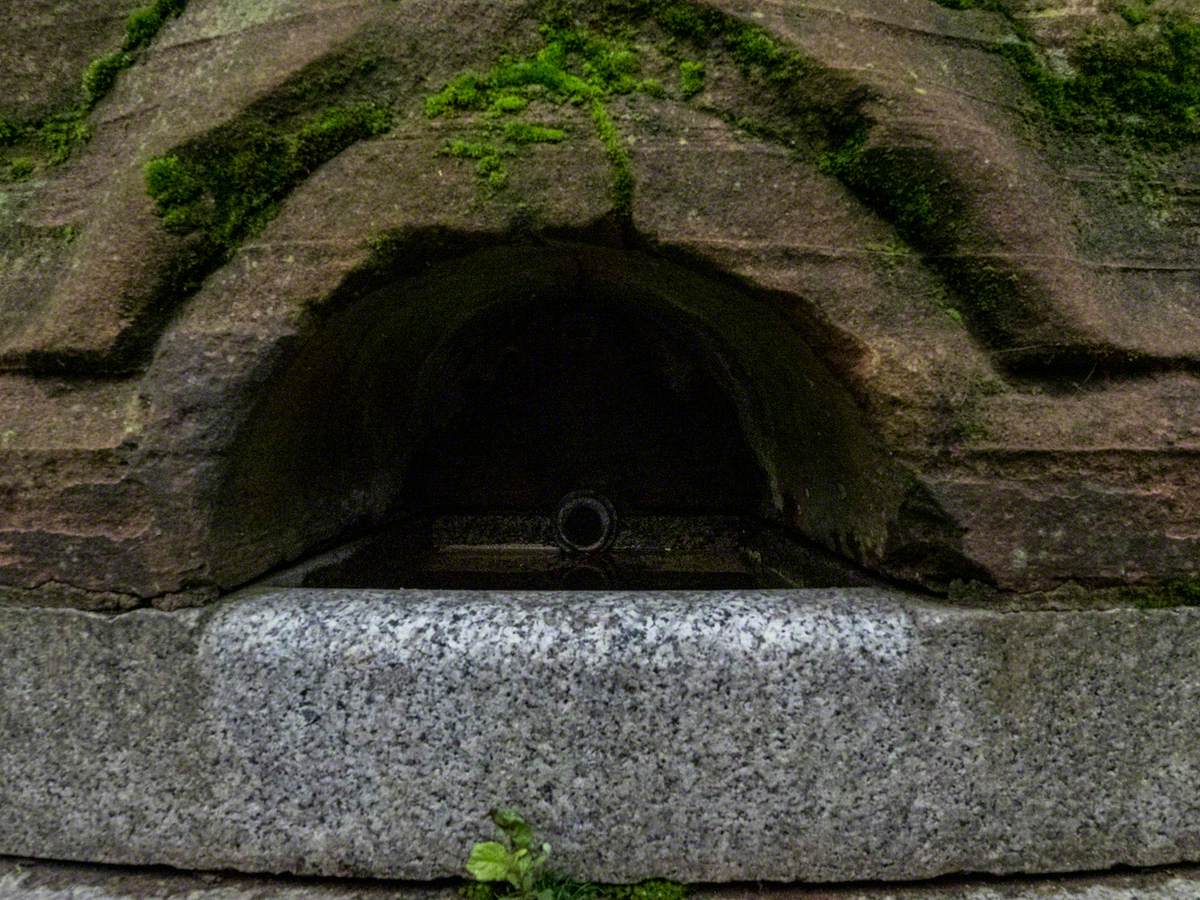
x=1025, y=448
x=819, y=736
x=46, y=47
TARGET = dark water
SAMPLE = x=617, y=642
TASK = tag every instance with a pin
x=519, y=553
x=597, y=574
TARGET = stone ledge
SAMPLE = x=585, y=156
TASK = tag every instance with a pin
x=830, y=735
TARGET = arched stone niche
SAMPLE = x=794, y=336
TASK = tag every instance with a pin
x=336, y=439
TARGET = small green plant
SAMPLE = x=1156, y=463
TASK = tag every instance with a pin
x=516, y=861
x=515, y=868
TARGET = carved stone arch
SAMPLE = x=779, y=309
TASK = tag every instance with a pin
x=325, y=447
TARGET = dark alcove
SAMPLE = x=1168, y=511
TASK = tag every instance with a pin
x=566, y=393
x=547, y=417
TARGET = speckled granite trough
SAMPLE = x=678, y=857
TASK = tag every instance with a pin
x=819, y=735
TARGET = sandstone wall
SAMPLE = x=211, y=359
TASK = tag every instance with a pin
x=1003, y=315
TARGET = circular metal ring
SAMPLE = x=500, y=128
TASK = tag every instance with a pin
x=585, y=522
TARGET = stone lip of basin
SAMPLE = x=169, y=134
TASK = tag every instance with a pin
x=822, y=735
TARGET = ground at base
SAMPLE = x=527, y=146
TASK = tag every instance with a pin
x=39, y=880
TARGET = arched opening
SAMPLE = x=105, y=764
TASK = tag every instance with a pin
x=555, y=416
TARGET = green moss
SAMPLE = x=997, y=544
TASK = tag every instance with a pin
x=1146, y=83
x=683, y=20
x=141, y=27
x=892, y=254
x=652, y=87
x=618, y=159
x=47, y=142
x=903, y=185
x=691, y=78
x=53, y=138
x=1181, y=592
x=144, y=24
x=230, y=188
x=21, y=167
x=1134, y=14
x=575, y=66
x=507, y=104
x=917, y=193
x=330, y=132
x=461, y=149
x=10, y=132
x=525, y=133
x=101, y=74
x=61, y=135
x=221, y=188
x=1143, y=80
x=217, y=190
x=589, y=62
x=1143, y=83
x=177, y=191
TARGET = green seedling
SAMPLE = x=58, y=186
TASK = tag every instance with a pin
x=515, y=861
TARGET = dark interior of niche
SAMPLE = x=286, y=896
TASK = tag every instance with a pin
x=568, y=393
x=571, y=395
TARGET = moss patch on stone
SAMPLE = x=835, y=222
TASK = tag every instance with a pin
x=101, y=74
x=593, y=56
x=691, y=78
x=1141, y=81
x=915, y=191
x=218, y=190
x=144, y=24
x=1180, y=592
x=20, y=167
x=51, y=140
x=228, y=185
x=576, y=66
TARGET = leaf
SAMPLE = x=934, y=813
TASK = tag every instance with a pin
x=521, y=860
x=514, y=825
x=489, y=861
